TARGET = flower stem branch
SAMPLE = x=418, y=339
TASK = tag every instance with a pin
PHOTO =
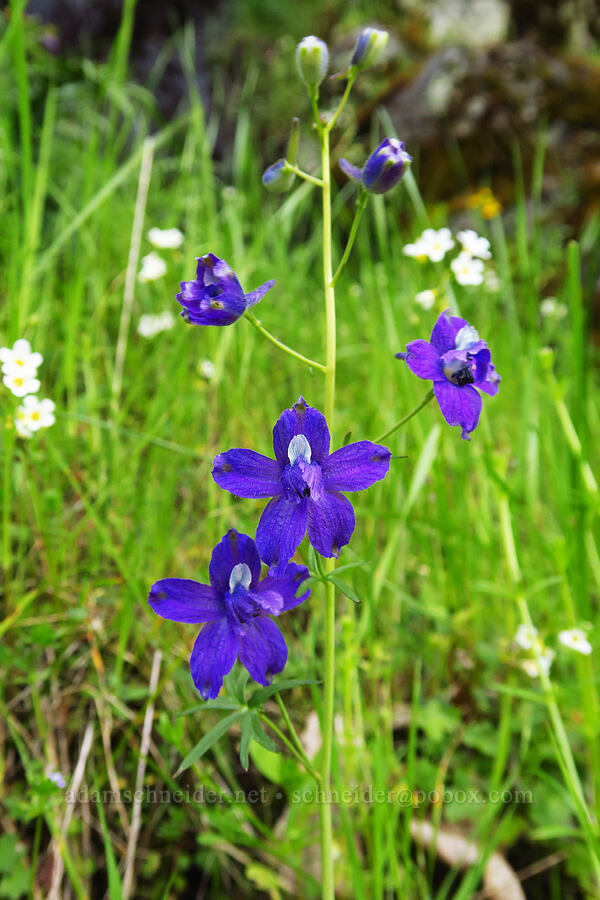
x=270, y=337
x=428, y=396
x=284, y=740
x=361, y=203
x=346, y=94
x=294, y=735
x=290, y=167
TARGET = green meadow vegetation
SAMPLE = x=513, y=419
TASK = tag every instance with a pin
x=440, y=731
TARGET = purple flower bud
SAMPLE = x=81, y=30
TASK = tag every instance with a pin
x=215, y=296
x=312, y=59
x=369, y=47
x=383, y=169
x=278, y=178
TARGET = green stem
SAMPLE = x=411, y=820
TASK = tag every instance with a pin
x=309, y=362
x=361, y=202
x=284, y=740
x=294, y=734
x=424, y=402
x=346, y=94
x=328, y=889
x=290, y=167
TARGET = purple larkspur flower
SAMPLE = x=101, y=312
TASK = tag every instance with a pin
x=383, y=169
x=457, y=361
x=304, y=481
x=215, y=297
x=235, y=607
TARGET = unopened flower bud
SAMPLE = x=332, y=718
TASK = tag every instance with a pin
x=312, y=59
x=383, y=169
x=369, y=47
x=278, y=178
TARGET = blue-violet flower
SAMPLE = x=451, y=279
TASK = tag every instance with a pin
x=383, y=169
x=235, y=605
x=457, y=361
x=304, y=481
x=215, y=297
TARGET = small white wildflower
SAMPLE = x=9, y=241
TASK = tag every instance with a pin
x=492, y=282
x=550, y=308
x=57, y=777
x=34, y=414
x=166, y=238
x=19, y=358
x=525, y=636
x=149, y=324
x=466, y=269
x=21, y=383
x=541, y=664
x=207, y=369
x=575, y=639
x=425, y=299
x=153, y=267
x=474, y=244
x=438, y=243
x=418, y=250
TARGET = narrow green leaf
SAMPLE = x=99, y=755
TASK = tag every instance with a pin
x=246, y=725
x=219, y=703
x=236, y=683
x=344, y=588
x=260, y=736
x=259, y=697
x=208, y=740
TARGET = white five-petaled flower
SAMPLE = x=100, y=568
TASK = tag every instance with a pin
x=20, y=359
x=21, y=382
x=149, y=324
x=466, y=269
x=525, y=636
x=576, y=639
x=437, y=243
x=418, y=250
x=166, y=238
x=474, y=244
x=539, y=664
x=153, y=267
x=425, y=299
x=207, y=369
x=550, y=308
x=32, y=415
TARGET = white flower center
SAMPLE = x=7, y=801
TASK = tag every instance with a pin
x=467, y=334
x=299, y=446
x=240, y=574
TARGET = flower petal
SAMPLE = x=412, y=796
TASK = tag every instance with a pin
x=213, y=656
x=232, y=549
x=200, y=309
x=262, y=649
x=280, y=530
x=459, y=405
x=423, y=360
x=246, y=473
x=254, y=296
x=443, y=336
x=286, y=584
x=356, y=467
x=181, y=600
x=301, y=419
x=330, y=523
x=212, y=271
x=351, y=171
